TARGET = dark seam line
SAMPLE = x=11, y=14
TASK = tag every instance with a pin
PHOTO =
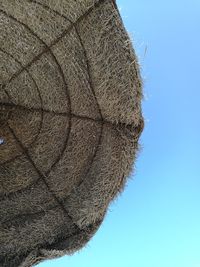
x=94, y=94
x=47, y=50
x=36, y=181
x=33, y=109
x=55, y=41
x=88, y=71
x=63, y=200
x=90, y=166
x=6, y=92
x=42, y=176
x=65, y=114
x=50, y=207
x=58, y=113
x=85, y=54
x=63, y=77
x=69, y=102
x=91, y=227
x=52, y=10
x=83, y=48
x=37, y=88
x=138, y=129
x=47, y=246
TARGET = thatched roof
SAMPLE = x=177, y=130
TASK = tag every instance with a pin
x=70, y=114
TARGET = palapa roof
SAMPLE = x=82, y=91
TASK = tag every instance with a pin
x=70, y=120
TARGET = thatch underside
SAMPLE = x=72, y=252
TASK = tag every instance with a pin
x=70, y=121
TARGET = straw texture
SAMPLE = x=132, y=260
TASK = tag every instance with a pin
x=70, y=122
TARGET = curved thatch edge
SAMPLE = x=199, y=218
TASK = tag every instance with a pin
x=69, y=245
x=63, y=246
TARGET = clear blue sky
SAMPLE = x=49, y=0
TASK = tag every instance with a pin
x=156, y=221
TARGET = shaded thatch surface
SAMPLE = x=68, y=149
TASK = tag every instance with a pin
x=70, y=120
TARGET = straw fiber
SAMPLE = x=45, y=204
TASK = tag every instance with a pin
x=70, y=122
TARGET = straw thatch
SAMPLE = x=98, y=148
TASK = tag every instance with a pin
x=70, y=120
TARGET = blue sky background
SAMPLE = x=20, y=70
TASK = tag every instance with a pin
x=156, y=221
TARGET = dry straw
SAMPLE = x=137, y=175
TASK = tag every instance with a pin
x=70, y=114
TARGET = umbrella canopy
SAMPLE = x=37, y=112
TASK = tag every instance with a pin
x=70, y=120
